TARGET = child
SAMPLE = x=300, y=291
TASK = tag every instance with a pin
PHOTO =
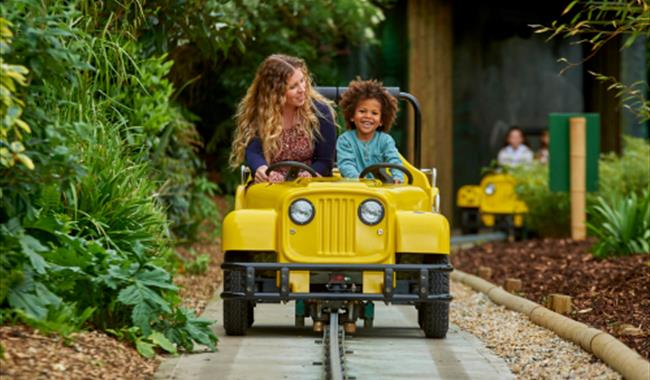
x=515, y=152
x=542, y=153
x=369, y=112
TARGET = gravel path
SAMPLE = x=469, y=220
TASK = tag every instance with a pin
x=530, y=351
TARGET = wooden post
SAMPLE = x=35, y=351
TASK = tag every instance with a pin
x=430, y=80
x=578, y=156
x=560, y=303
x=485, y=272
x=512, y=285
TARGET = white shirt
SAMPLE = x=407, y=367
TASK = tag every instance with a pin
x=509, y=156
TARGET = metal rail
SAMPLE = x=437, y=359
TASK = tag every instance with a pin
x=334, y=355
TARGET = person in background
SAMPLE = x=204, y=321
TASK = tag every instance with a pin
x=542, y=153
x=281, y=118
x=369, y=112
x=515, y=151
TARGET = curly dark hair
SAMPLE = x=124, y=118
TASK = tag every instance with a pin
x=359, y=90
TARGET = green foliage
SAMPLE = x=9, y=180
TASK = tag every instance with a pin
x=85, y=236
x=622, y=225
x=12, y=127
x=548, y=212
x=217, y=45
x=595, y=23
x=627, y=174
x=198, y=264
x=619, y=178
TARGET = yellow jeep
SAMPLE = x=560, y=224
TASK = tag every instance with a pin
x=336, y=245
x=493, y=204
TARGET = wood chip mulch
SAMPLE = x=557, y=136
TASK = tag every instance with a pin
x=86, y=355
x=612, y=295
x=196, y=290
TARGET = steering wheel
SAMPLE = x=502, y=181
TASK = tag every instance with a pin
x=294, y=169
x=376, y=171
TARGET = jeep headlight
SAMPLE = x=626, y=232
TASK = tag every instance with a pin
x=371, y=212
x=301, y=211
x=489, y=189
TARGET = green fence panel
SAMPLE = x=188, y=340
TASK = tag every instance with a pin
x=559, y=160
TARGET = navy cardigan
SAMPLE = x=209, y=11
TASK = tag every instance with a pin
x=324, y=145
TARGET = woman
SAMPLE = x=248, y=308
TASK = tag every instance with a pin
x=515, y=150
x=283, y=118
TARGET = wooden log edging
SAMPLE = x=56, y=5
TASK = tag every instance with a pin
x=610, y=350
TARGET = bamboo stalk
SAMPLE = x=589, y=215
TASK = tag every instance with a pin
x=578, y=176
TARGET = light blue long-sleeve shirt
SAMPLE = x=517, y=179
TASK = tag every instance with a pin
x=354, y=155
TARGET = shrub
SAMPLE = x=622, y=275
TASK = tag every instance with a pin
x=619, y=177
x=548, y=211
x=85, y=234
x=623, y=225
x=628, y=173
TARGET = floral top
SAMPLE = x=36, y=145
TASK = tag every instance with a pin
x=294, y=146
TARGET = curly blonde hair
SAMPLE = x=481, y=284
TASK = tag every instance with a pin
x=259, y=113
x=359, y=90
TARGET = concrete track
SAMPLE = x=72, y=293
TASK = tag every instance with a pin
x=395, y=348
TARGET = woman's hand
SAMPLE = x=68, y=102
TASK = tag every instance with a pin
x=276, y=177
x=260, y=174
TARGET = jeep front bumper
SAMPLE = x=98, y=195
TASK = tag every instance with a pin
x=245, y=289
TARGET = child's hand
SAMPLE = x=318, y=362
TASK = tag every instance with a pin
x=397, y=181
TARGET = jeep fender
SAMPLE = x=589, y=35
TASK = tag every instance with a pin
x=421, y=232
x=249, y=230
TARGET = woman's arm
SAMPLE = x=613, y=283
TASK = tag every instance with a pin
x=255, y=160
x=254, y=154
x=325, y=145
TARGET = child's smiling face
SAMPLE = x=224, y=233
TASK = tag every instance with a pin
x=367, y=118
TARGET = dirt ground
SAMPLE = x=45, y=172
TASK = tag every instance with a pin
x=612, y=295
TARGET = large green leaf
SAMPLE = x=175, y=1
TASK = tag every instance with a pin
x=139, y=293
x=145, y=349
x=161, y=341
x=32, y=297
x=142, y=315
x=31, y=247
x=156, y=277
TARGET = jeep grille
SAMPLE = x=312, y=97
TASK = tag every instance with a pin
x=336, y=235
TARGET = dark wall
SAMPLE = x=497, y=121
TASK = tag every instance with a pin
x=504, y=75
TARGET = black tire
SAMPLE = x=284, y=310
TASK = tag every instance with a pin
x=435, y=319
x=434, y=316
x=251, y=314
x=520, y=233
x=469, y=221
x=235, y=312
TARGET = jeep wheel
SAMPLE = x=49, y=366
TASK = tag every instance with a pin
x=470, y=221
x=235, y=312
x=433, y=317
x=251, y=314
